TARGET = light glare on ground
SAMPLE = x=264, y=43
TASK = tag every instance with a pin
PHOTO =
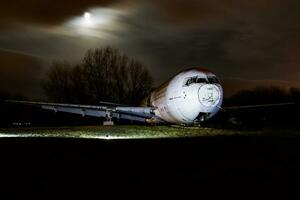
x=116, y=132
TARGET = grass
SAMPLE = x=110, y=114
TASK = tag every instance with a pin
x=119, y=132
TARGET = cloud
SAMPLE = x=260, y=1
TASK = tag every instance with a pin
x=20, y=74
x=243, y=39
x=195, y=11
x=234, y=38
x=45, y=12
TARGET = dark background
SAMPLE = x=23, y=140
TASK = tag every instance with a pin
x=224, y=166
x=246, y=43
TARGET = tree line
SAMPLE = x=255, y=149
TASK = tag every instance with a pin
x=104, y=74
x=263, y=95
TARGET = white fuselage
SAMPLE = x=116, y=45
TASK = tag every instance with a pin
x=193, y=95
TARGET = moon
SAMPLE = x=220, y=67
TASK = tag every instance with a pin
x=87, y=15
x=95, y=22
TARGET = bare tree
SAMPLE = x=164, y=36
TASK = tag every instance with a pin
x=139, y=81
x=57, y=85
x=79, y=86
x=103, y=75
x=98, y=66
x=115, y=77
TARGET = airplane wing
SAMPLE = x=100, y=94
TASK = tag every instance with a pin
x=240, y=114
x=140, y=114
x=258, y=106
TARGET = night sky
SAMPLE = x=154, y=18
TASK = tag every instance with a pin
x=245, y=42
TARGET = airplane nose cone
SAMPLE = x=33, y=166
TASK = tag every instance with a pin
x=209, y=95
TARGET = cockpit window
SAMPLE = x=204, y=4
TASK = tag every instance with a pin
x=201, y=80
x=195, y=79
x=213, y=80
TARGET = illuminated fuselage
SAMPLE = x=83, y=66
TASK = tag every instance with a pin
x=193, y=95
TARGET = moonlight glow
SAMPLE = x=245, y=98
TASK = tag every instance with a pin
x=87, y=15
x=95, y=18
x=95, y=22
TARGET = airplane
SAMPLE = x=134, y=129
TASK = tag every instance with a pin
x=190, y=97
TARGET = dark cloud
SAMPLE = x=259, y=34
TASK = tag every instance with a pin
x=244, y=39
x=20, y=74
x=237, y=39
x=45, y=11
x=45, y=45
x=197, y=11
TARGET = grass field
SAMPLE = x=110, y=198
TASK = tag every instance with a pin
x=203, y=159
x=119, y=132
